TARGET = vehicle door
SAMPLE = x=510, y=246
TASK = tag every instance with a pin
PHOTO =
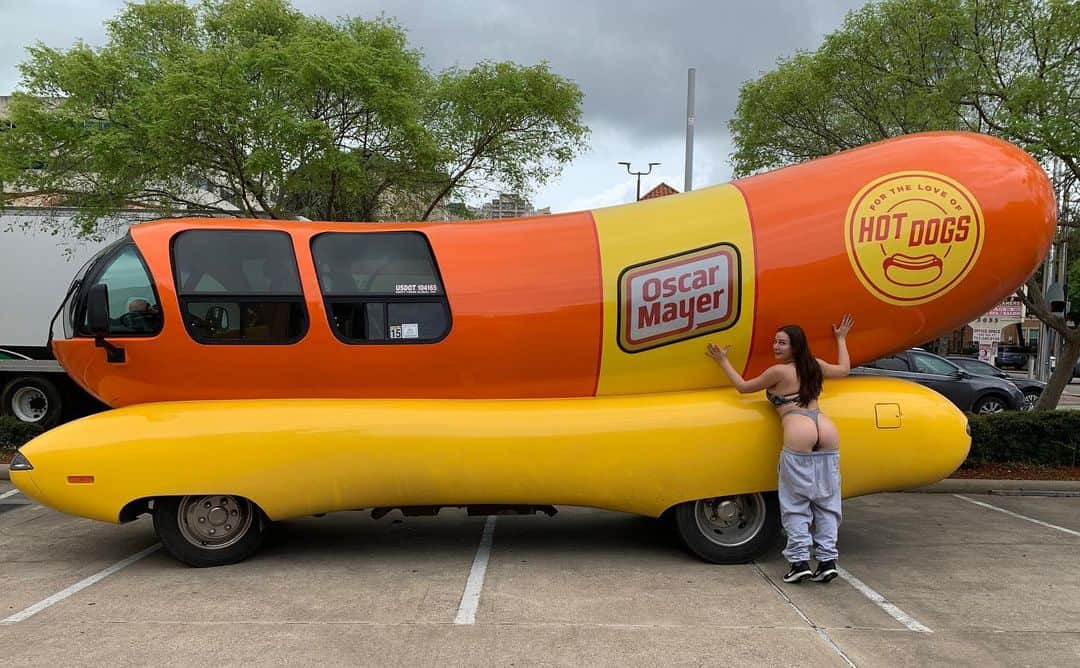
x=942, y=376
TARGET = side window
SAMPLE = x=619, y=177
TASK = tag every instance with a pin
x=889, y=364
x=239, y=286
x=133, y=305
x=927, y=364
x=381, y=287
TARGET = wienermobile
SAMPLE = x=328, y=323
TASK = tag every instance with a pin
x=264, y=370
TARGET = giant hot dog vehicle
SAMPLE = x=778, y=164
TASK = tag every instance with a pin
x=265, y=370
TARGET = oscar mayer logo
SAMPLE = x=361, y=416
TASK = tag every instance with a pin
x=679, y=297
x=913, y=236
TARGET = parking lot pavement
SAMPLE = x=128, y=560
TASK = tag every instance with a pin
x=928, y=579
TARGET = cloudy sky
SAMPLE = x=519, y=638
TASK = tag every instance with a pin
x=630, y=57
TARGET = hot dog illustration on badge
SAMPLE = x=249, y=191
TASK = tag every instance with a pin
x=913, y=236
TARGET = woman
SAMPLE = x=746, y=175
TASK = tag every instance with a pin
x=809, y=485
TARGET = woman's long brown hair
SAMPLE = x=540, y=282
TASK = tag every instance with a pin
x=807, y=369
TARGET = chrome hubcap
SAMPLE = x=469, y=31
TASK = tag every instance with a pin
x=29, y=404
x=214, y=522
x=730, y=521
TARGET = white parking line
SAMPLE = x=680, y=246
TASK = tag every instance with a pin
x=1023, y=517
x=78, y=586
x=817, y=629
x=10, y=492
x=470, y=599
x=883, y=603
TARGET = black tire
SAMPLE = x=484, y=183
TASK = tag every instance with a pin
x=730, y=529
x=991, y=403
x=181, y=537
x=32, y=399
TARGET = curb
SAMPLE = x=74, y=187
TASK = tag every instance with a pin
x=981, y=486
x=4, y=474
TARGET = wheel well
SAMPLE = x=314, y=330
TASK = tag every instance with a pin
x=135, y=508
x=988, y=395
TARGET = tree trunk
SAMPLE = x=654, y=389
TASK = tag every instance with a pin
x=1070, y=352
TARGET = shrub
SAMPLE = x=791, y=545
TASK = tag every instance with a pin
x=1044, y=438
x=15, y=432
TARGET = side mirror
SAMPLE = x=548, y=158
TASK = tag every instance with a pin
x=97, y=310
x=218, y=318
x=97, y=321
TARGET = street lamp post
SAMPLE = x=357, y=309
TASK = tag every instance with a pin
x=639, y=175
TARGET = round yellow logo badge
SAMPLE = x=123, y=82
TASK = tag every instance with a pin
x=912, y=236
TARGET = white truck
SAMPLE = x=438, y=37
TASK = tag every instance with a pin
x=36, y=269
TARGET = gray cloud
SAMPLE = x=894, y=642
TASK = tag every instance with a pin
x=629, y=56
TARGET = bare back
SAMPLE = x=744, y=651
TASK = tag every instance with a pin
x=802, y=433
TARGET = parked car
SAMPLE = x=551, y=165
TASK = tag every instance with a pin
x=1012, y=357
x=1031, y=388
x=1076, y=367
x=971, y=393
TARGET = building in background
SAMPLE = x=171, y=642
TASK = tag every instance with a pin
x=662, y=190
x=511, y=205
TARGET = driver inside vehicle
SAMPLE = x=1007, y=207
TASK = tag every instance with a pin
x=141, y=316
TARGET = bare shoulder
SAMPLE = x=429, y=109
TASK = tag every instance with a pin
x=780, y=372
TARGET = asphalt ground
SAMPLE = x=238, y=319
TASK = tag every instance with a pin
x=928, y=579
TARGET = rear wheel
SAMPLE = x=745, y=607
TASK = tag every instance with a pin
x=33, y=400
x=729, y=529
x=1031, y=397
x=210, y=530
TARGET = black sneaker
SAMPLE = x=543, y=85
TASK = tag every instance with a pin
x=800, y=570
x=826, y=570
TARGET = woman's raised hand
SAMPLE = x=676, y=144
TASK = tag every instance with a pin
x=844, y=327
x=717, y=353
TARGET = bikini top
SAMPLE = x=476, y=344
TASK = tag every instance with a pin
x=781, y=400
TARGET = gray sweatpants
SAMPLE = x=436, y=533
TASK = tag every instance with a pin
x=809, y=492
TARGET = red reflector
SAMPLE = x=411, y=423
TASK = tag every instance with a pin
x=81, y=479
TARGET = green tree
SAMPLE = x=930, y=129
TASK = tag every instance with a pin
x=504, y=122
x=251, y=108
x=1005, y=67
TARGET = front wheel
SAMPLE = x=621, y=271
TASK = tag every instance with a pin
x=211, y=530
x=729, y=529
x=989, y=404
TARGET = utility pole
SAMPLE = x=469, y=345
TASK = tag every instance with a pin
x=688, y=182
x=639, y=175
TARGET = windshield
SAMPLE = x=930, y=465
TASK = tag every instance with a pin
x=975, y=366
x=926, y=363
x=70, y=302
x=133, y=306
